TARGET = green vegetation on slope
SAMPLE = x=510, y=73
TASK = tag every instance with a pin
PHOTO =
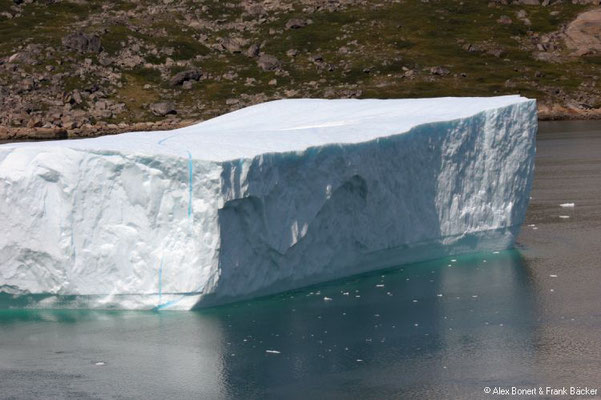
x=380, y=49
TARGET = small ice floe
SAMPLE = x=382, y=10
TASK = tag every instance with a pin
x=495, y=252
x=327, y=299
x=272, y=351
x=414, y=300
x=531, y=225
x=359, y=360
x=357, y=295
x=415, y=324
x=439, y=295
x=553, y=276
x=99, y=363
x=552, y=290
x=564, y=216
x=380, y=285
x=567, y=205
x=388, y=294
x=474, y=296
x=345, y=293
x=453, y=260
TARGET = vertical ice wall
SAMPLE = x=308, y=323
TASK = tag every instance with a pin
x=291, y=219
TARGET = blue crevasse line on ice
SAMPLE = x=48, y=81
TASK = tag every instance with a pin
x=173, y=302
x=161, y=305
x=167, y=304
x=167, y=138
x=161, y=280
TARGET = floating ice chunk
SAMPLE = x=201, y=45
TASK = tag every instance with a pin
x=272, y=351
x=380, y=286
x=327, y=299
x=567, y=205
x=564, y=216
x=553, y=276
x=239, y=206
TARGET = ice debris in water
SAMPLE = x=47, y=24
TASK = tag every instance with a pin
x=272, y=351
x=567, y=205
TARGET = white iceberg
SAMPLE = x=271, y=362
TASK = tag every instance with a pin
x=262, y=200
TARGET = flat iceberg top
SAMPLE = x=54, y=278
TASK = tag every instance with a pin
x=289, y=125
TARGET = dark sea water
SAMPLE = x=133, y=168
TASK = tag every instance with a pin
x=529, y=317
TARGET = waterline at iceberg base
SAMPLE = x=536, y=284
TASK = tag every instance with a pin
x=269, y=198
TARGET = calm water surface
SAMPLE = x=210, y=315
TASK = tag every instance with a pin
x=440, y=329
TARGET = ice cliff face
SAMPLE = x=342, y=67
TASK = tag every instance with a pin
x=265, y=199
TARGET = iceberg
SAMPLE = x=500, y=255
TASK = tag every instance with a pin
x=262, y=200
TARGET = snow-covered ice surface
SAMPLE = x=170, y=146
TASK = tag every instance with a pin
x=265, y=199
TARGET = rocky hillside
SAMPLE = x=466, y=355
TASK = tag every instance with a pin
x=72, y=68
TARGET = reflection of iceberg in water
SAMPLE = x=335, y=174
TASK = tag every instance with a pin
x=413, y=342
x=160, y=355
x=496, y=330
